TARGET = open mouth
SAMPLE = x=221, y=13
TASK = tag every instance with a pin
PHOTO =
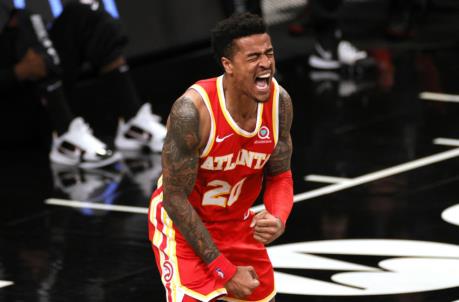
x=262, y=82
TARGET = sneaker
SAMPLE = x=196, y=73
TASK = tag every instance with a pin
x=345, y=54
x=143, y=169
x=348, y=54
x=98, y=186
x=79, y=147
x=142, y=131
x=325, y=81
x=323, y=58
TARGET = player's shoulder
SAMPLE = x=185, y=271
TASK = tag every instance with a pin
x=285, y=108
x=207, y=83
x=192, y=107
x=193, y=97
x=284, y=96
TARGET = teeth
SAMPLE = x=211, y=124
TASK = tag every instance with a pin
x=265, y=76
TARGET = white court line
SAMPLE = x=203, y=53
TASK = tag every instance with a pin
x=326, y=179
x=298, y=197
x=96, y=206
x=372, y=176
x=4, y=283
x=440, y=97
x=446, y=141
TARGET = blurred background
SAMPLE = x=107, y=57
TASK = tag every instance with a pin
x=397, y=106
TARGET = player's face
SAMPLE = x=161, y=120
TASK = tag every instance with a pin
x=252, y=66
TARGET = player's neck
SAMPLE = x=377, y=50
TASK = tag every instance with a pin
x=242, y=108
x=240, y=105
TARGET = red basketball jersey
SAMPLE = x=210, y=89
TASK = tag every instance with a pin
x=231, y=164
x=228, y=182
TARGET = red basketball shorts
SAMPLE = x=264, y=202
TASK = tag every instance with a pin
x=185, y=275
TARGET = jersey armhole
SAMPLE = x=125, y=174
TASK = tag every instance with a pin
x=205, y=98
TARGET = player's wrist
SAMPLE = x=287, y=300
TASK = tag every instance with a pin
x=222, y=268
x=281, y=222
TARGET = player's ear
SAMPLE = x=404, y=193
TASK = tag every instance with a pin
x=227, y=65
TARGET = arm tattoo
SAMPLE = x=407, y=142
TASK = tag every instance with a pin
x=180, y=160
x=280, y=159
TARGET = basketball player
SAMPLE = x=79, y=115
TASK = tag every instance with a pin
x=224, y=135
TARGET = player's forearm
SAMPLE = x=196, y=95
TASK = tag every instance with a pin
x=190, y=226
x=278, y=196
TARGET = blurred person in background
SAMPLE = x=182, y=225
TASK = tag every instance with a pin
x=331, y=50
x=44, y=63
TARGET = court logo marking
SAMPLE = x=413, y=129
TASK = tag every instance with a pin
x=400, y=266
x=451, y=215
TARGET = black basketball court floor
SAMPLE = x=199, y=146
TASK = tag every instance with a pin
x=376, y=176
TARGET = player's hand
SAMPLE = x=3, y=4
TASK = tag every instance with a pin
x=31, y=67
x=243, y=282
x=266, y=227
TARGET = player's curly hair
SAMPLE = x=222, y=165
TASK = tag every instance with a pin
x=237, y=26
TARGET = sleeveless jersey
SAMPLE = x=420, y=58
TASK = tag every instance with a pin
x=228, y=182
x=230, y=173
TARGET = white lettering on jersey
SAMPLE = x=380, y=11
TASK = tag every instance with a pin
x=250, y=159
x=222, y=193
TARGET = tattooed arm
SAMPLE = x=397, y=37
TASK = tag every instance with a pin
x=278, y=197
x=280, y=159
x=180, y=160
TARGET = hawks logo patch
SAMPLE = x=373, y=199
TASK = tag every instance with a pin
x=168, y=271
x=220, y=273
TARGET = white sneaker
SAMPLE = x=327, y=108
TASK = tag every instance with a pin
x=143, y=169
x=323, y=58
x=326, y=81
x=327, y=59
x=96, y=186
x=348, y=54
x=79, y=147
x=84, y=185
x=142, y=131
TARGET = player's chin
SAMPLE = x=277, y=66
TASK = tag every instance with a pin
x=262, y=97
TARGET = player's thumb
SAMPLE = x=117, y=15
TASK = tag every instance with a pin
x=254, y=282
x=252, y=272
x=257, y=217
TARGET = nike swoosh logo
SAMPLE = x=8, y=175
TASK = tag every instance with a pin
x=220, y=139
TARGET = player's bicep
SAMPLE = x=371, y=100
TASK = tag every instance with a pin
x=280, y=159
x=180, y=155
